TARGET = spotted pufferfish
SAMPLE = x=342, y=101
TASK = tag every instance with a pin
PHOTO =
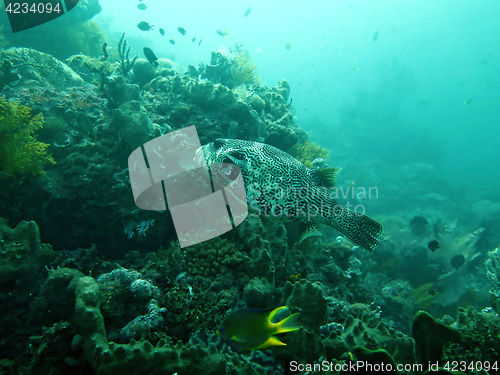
x=283, y=189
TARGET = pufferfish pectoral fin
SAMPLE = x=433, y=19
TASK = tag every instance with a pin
x=328, y=176
x=308, y=229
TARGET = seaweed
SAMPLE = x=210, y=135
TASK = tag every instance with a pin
x=20, y=152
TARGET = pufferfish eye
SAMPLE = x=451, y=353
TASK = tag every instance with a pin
x=230, y=169
x=237, y=155
x=218, y=143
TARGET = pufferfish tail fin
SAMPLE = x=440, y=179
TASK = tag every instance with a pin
x=288, y=324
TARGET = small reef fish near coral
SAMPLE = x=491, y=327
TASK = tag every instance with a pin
x=253, y=329
x=150, y=55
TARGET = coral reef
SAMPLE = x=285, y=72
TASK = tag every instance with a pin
x=108, y=357
x=38, y=70
x=236, y=69
x=243, y=69
x=125, y=63
x=121, y=296
x=479, y=331
x=20, y=152
x=431, y=337
x=216, y=258
x=6, y=74
x=307, y=151
x=493, y=273
x=369, y=331
x=298, y=297
x=21, y=251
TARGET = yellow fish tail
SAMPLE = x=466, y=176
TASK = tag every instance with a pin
x=288, y=324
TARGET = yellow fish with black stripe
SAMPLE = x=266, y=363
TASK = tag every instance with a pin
x=254, y=329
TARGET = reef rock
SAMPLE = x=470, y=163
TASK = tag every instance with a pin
x=21, y=250
x=38, y=69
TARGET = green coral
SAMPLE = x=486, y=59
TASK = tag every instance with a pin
x=20, y=152
x=243, y=69
x=307, y=151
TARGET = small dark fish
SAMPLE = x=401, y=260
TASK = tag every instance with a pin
x=247, y=12
x=142, y=6
x=162, y=32
x=458, y=261
x=193, y=39
x=433, y=245
x=199, y=43
x=288, y=46
x=150, y=55
x=223, y=33
x=375, y=36
x=468, y=101
x=172, y=42
x=181, y=30
x=432, y=292
x=144, y=26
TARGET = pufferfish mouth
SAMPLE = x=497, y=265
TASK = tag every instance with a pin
x=202, y=154
x=227, y=167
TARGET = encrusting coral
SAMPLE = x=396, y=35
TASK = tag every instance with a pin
x=20, y=152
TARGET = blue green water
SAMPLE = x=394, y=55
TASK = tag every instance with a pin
x=408, y=87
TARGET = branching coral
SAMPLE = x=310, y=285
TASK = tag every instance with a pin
x=243, y=69
x=20, y=152
x=123, y=51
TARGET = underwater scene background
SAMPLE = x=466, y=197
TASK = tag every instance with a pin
x=404, y=96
